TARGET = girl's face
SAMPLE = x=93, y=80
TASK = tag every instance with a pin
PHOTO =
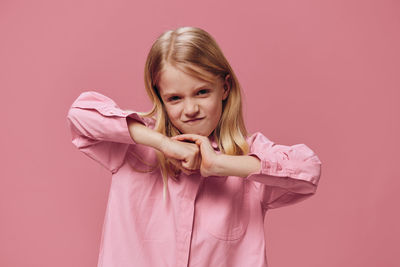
x=193, y=105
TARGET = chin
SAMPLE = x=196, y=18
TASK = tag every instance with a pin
x=196, y=132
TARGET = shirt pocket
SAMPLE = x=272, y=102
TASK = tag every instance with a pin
x=227, y=210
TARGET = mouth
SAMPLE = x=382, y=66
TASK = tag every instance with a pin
x=194, y=120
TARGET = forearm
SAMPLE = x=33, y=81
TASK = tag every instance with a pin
x=144, y=135
x=229, y=165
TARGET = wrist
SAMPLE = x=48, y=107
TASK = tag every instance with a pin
x=163, y=142
x=217, y=166
x=235, y=165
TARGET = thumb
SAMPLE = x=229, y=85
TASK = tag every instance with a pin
x=206, y=148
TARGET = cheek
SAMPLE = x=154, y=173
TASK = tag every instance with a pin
x=173, y=113
x=215, y=108
x=214, y=111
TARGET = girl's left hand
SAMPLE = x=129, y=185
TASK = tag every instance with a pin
x=208, y=155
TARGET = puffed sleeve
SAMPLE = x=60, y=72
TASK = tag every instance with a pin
x=288, y=174
x=99, y=128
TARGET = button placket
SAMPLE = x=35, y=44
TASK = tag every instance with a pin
x=185, y=231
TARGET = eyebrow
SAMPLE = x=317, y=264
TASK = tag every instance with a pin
x=199, y=87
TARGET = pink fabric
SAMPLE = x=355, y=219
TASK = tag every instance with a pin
x=212, y=221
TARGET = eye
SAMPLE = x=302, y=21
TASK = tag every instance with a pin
x=173, y=98
x=203, y=91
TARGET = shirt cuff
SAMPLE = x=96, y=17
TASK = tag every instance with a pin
x=286, y=174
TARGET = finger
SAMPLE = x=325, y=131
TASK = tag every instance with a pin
x=179, y=164
x=195, y=140
x=191, y=137
x=174, y=161
x=193, y=164
x=190, y=166
x=198, y=163
x=183, y=140
x=187, y=171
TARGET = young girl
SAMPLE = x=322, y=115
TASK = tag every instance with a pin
x=190, y=186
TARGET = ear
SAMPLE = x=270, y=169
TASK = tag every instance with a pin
x=227, y=87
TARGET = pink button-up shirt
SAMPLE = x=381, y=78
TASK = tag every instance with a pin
x=207, y=221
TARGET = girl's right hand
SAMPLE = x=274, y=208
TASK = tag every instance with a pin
x=185, y=155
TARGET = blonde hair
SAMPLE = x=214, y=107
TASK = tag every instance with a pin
x=195, y=52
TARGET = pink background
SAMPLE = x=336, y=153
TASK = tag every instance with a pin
x=322, y=73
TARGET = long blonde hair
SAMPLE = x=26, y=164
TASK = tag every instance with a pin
x=195, y=52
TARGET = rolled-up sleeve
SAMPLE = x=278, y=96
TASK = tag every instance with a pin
x=288, y=174
x=99, y=128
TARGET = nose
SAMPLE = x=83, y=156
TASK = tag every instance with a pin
x=191, y=109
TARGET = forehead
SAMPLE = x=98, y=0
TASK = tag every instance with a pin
x=176, y=80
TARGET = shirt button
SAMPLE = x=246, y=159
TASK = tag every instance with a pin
x=290, y=171
x=266, y=164
x=279, y=167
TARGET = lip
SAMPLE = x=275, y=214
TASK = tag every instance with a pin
x=194, y=120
